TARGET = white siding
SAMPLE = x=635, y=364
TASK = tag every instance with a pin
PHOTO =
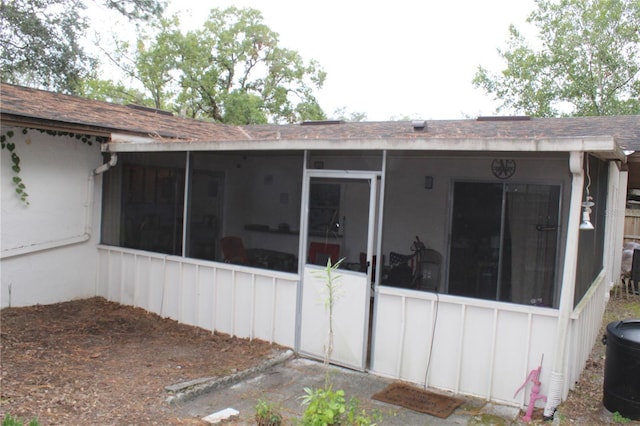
x=47, y=251
x=480, y=348
x=240, y=301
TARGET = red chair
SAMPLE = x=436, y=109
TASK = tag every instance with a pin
x=233, y=250
x=319, y=253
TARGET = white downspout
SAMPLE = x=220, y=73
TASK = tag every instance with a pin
x=556, y=386
x=106, y=166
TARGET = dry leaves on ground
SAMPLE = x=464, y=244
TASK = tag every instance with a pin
x=97, y=362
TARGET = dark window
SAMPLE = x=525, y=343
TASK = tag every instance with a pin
x=504, y=241
x=254, y=197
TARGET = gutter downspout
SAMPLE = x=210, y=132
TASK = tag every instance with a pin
x=556, y=386
x=106, y=166
x=97, y=171
x=84, y=237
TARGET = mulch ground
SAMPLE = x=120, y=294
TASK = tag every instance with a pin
x=97, y=362
x=91, y=362
x=584, y=403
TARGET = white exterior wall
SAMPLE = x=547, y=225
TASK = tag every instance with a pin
x=48, y=246
x=469, y=346
x=240, y=301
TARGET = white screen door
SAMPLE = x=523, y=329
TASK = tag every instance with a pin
x=340, y=220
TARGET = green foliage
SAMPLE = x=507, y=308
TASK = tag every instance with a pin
x=588, y=62
x=267, y=414
x=357, y=416
x=329, y=407
x=109, y=91
x=15, y=164
x=5, y=143
x=9, y=420
x=231, y=70
x=345, y=115
x=330, y=278
x=41, y=41
x=244, y=108
x=324, y=407
x=619, y=418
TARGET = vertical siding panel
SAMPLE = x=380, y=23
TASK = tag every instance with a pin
x=401, y=333
x=274, y=308
x=188, y=293
x=229, y=299
x=492, y=356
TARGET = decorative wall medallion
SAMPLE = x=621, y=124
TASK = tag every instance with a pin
x=503, y=169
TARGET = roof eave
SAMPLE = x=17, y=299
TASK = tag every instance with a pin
x=58, y=126
x=604, y=147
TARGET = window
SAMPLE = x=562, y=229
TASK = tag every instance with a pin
x=143, y=199
x=504, y=240
x=253, y=196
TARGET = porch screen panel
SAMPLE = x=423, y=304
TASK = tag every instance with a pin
x=591, y=243
x=504, y=240
x=253, y=197
x=532, y=224
x=206, y=195
x=143, y=202
x=475, y=239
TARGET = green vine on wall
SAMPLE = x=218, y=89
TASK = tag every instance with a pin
x=15, y=164
x=5, y=141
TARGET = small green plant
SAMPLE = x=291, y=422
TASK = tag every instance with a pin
x=267, y=414
x=357, y=416
x=330, y=277
x=9, y=420
x=619, y=418
x=324, y=407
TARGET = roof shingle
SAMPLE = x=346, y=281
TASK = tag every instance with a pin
x=37, y=106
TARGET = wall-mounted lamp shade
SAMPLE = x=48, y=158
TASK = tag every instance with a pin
x=586, y=224
x=428, y=182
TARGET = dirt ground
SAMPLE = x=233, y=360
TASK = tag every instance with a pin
x=96, y=362
x=92, y=362
x=584, y=404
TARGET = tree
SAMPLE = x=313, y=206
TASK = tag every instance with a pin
x=231, y=70
x=588, y=62
x=345, y=115
x=41, y=39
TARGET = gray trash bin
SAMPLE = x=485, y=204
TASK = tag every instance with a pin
x=622, y=368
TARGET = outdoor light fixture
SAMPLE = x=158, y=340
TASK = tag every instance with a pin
x=586, y=224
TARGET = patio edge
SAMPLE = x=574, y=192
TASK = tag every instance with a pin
x=184, y=391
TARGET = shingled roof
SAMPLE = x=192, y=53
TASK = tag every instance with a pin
x=26, y=106
x=55, y=110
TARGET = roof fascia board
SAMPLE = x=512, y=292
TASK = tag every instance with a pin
x=58, y=126
x=604, y=146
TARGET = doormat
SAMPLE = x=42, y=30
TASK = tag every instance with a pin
x=417, y=399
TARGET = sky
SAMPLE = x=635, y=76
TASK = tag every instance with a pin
x=391, y=59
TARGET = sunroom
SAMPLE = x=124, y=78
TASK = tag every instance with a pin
x=462, y=262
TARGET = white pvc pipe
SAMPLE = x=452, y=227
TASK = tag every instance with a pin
x=106, y=166
x=556, y=386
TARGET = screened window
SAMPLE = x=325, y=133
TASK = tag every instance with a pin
x=504, y=242
x=252, y=197
x=143, y=202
